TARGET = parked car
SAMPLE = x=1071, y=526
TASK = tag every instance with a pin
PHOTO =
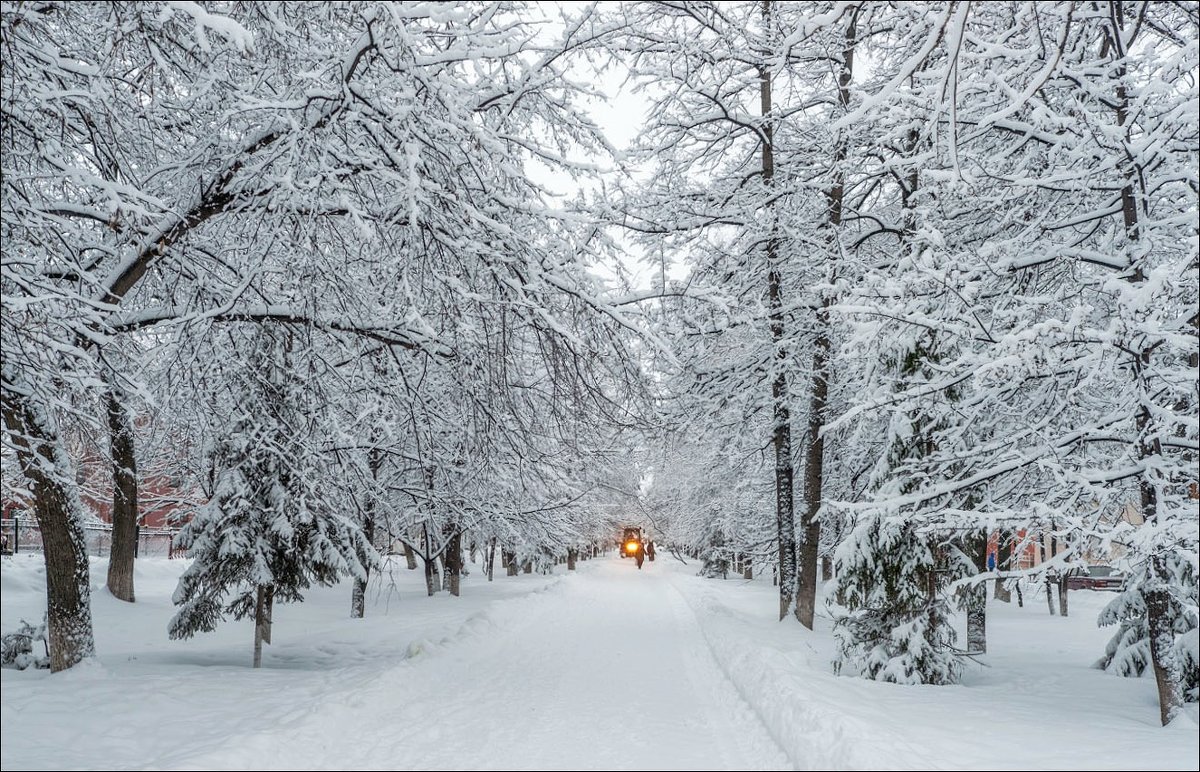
x=1096, y=578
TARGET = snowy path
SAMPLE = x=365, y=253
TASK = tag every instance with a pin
x=605, y=669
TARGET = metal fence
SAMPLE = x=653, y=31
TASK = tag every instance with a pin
x=20, y=534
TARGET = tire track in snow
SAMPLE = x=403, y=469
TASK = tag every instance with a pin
x=814, y=734
x=711, y=677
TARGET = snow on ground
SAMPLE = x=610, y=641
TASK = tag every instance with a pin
x=605, y=668
x=1033, y=702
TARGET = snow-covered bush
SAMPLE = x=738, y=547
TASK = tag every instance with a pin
x=17, y=648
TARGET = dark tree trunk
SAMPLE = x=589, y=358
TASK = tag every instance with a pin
x=977, y=597
x=510, y=562
x=432, y=579
x=826, y=568
x=1003, y=559
x=572, y=554
x=1168, y=676
x=125, y=500
x=410, y=557
x=59, y=515
x=528, y=567
x=453, y=561
x=748, y=568
x=491, y=558
x=358, y=599
x=814, y=443
x=1062, y=595
x=814, y=474
x=264, y=604
x=1166, y=670
x=781, y=436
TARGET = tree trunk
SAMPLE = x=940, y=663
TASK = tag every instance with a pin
x=977, y=598
x=826, y=568
x=59, y=513
x=528, y=567
x=814, y=442
x=358, y=596
x=410, y=557
x=509, y=560
x=1003, y=558
x=781, y=437
x=491, y=558
x=431, y=572
x=125, y=499
x=453, y=561
x=572, y=554
x=263, y=606
x=1166, y=670
x=1062, y=595
x=432, y=580
x=358, y=599
x=748, y=568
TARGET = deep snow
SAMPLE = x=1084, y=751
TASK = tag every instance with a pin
x=607, y=667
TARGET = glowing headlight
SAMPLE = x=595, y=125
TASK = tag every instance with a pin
x=631, y=547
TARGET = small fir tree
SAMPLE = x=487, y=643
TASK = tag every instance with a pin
x=266, y=533
x=898, y=625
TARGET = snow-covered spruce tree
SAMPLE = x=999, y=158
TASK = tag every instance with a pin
x=267, y=533
x=895, y=569
x=899, y=625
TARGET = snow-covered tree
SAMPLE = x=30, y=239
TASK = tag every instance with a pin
x=269, y=531
x=899, y=627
